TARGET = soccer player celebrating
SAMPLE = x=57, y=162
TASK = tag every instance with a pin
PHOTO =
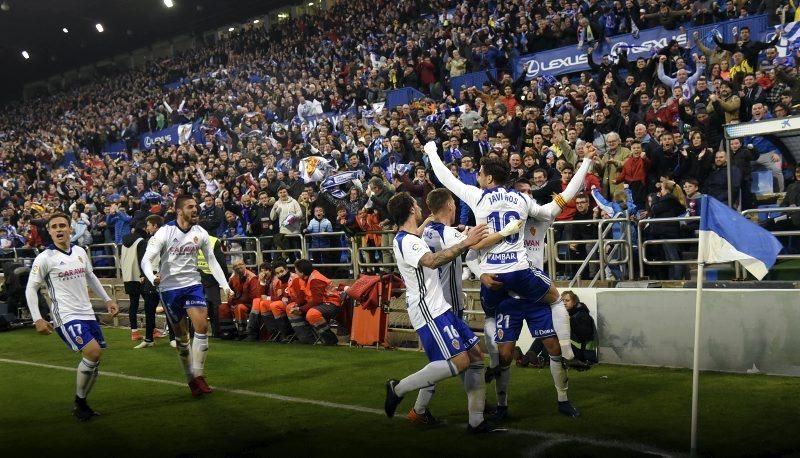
x=67, y=272
x=449, y=343
x=507, y=263
x=178, y=243
x=439, y=235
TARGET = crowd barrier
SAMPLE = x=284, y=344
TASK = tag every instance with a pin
x=346, y=255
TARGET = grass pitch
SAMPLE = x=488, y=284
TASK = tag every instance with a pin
x=626, y=411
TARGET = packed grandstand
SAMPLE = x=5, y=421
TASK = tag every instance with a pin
x=310, y=103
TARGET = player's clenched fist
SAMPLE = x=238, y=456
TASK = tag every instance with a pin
x=43, y=327
x=430, y=148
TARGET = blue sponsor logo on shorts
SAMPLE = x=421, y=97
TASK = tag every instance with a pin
x=501, y=258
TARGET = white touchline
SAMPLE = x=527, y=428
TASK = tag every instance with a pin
x=554, y=438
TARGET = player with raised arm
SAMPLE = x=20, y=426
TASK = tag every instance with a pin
x=439, y=235
x=449, y=343
x=509, y=274
x=535, y=231
x=67, y=271
x=178, y=243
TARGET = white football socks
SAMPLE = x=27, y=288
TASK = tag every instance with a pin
x=475, y=386
x=561, y=325
x=429, y=375
x=185, y=357
x=559, y=372
x=424, y=399
x=87, y=374
x=501, y=385
x=199, y=352
x=489, y=330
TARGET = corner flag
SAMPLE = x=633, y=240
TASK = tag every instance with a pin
x=729, y=236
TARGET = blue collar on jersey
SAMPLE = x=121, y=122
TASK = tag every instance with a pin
x=399, y=238
x=174, y=222
x=53, y=246
x=438, y=227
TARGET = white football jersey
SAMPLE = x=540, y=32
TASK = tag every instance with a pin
x=178, y=256
x=424, y=297
x=535, y=232
x=64, y=275
x=497, y=207
x=439, y=237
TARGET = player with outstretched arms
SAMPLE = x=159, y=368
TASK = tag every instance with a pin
x=67, y=271
x=178, y=280
x=439, y=234
x=449, y=343
x=507, y=270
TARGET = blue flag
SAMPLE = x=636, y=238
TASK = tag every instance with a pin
x=729, y=236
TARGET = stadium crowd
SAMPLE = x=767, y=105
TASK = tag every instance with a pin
x=656, y=122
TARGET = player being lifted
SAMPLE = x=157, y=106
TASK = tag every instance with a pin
x=508, y=265
x=67, y=271
x=439, y=235
x=177, y=243
x=448, y=342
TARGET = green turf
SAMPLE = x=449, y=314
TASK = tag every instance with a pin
x=740, y=415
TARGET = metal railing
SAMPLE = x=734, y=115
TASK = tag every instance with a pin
x=248, y=248
x=24, y=255
x=604, y=226
x=270, y=251
x=365, y=257
x=331, y=255
x=348, y=251
x=107, y=252
x=644, y=242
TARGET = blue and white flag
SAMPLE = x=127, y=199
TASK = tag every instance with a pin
x=789, y=40
x=726, y=235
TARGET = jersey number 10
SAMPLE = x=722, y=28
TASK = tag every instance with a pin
x=497, y=222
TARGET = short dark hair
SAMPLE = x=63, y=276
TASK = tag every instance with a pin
x=400, y=207
x=181, y=200
x=155, y=220
x=304, y=266
x=692, y=181
x=540, y=170
x=498, y=169
x=59, y=215
x=265, y=266
x=437, y=199
x=569, y=167
x=278, y=263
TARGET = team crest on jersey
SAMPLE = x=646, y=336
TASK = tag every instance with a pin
x=80, y=258
x=500, y=334
x=196, y=240
x=533, y=230
x=35, y=270
x=456, y=344
x=415, y=247
x=79, y=340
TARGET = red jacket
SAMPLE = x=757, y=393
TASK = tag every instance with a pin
x=244, y=289
x=634, y=169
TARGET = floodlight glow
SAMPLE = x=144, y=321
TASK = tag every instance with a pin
x=65, y=30
x=26, y=55
x=169, y=3
x=311, y=4
x=256, y=21
x=99, y=27
x=230, y=29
